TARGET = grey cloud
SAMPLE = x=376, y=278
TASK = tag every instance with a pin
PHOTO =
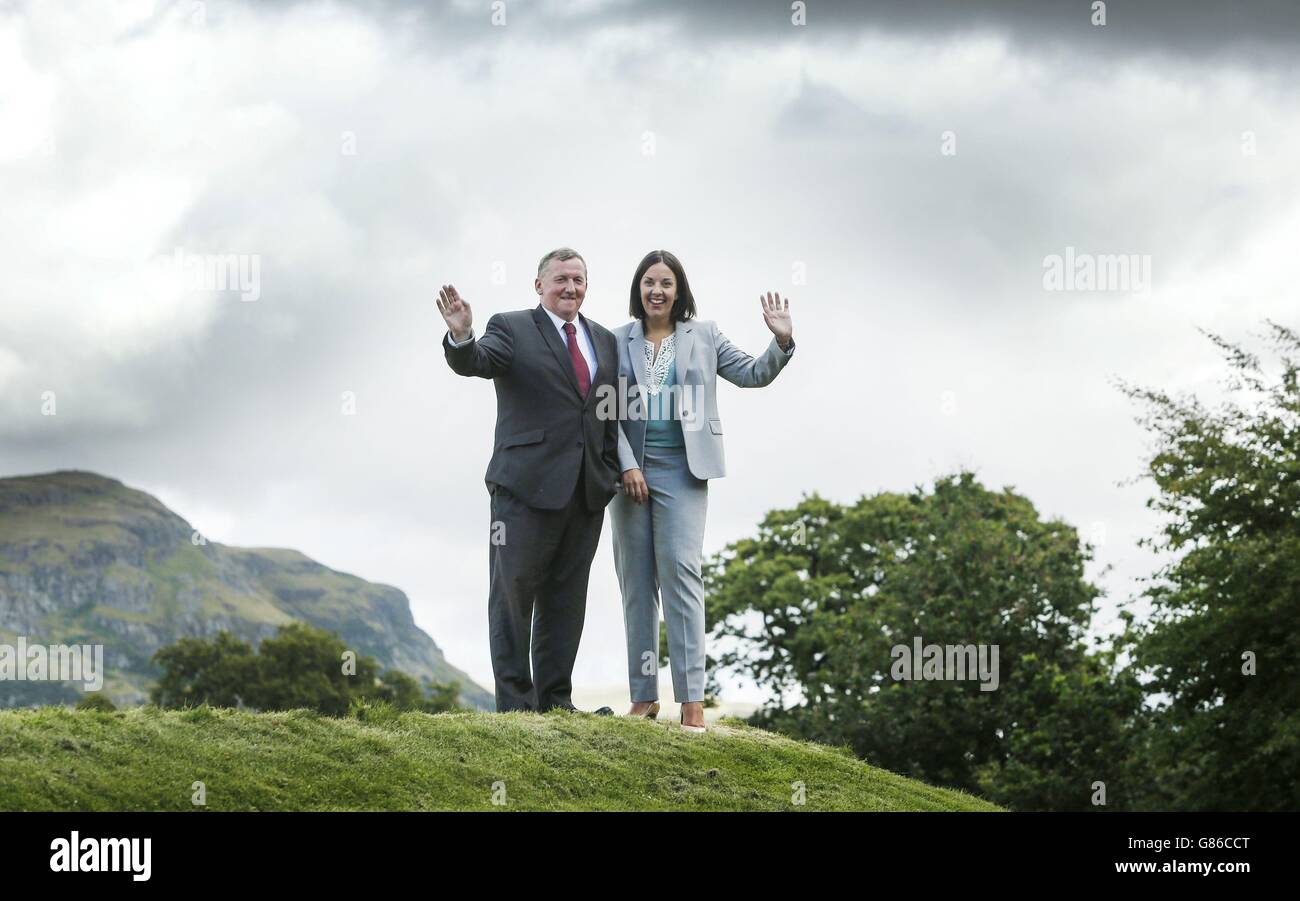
x=1266, y=32
x=1196, y=28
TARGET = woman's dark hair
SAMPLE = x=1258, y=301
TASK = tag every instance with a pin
x=683, y=306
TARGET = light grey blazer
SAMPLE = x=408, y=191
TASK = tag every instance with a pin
x=703, y=354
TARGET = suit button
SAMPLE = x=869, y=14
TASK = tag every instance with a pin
x=579, y=444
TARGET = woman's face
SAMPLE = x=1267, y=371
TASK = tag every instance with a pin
x=658, y=294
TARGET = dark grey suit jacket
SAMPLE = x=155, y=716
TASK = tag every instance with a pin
x=546, y=433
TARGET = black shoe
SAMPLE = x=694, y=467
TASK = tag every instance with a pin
x=569, y=708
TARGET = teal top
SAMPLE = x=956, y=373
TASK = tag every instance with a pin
x=663, y=427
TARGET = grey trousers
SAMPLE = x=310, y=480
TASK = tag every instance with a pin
x=658, y=550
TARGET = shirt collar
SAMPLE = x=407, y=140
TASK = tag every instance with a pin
x=560, y=323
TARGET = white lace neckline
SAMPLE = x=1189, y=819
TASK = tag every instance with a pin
x=656, y=368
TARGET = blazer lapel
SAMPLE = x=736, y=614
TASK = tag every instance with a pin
x=553, y=340
x=685, y=343
x=636, y=352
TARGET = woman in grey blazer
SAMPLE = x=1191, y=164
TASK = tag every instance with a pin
x=670, y=445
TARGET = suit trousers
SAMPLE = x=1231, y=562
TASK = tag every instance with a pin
x=658, y=553
x=540, y=561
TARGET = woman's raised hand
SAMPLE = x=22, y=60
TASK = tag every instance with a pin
x=776, y=313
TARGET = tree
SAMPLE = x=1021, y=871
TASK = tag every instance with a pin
x=301, y=666
x=404, y=693
x=442, y=697
x=195, y=671
x=1222, y=645
x=814, y=607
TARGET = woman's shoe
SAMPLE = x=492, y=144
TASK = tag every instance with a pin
x=651, y=712
x=681, y=718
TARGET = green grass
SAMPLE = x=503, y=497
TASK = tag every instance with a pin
x=58, y=758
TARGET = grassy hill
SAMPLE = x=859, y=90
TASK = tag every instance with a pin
x=58, y=758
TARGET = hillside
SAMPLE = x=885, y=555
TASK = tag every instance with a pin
x=57, y=758
x=86, y=559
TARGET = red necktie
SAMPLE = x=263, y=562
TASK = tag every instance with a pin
x=579, y=364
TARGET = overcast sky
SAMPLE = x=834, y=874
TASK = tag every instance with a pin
x=364, y=154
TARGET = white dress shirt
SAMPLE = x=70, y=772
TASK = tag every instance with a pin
x=584, y=340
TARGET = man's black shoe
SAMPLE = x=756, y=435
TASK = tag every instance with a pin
x=603, y=711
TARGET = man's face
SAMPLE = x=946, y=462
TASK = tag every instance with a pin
x=562, y=286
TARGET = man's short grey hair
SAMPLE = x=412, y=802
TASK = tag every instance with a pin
x=560, y=253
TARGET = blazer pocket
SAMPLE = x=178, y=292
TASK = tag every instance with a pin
x=715, y=426
x=522, y=438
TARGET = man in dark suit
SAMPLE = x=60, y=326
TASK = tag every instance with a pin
x=554, y=468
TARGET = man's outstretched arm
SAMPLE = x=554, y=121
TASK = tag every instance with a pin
x=487, y=357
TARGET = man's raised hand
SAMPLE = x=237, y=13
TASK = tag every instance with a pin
x=455, y=310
